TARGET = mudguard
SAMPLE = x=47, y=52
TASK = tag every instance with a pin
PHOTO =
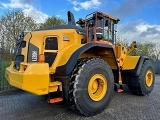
x=129, y=76
x=66, y=69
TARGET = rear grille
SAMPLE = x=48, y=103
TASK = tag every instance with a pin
x=18, y=56
x=51, y=43
x=50, y=57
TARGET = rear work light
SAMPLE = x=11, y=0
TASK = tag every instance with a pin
x=41, y=58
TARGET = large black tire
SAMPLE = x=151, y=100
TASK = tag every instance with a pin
x=145, y=80
x=81, y=97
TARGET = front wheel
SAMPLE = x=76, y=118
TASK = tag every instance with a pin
x=91, y=86
x=145, y=80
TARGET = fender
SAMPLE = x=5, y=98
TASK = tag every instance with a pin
x=136, y=71
x=66, y=69
x=129, y=76
x=141, y=61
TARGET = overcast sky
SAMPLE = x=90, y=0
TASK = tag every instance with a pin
x=139, y=19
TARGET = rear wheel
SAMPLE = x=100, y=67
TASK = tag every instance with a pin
x=91, y=86
x=145, y=81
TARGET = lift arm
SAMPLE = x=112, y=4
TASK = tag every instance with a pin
x=132, y=48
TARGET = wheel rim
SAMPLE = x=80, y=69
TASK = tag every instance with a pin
x=97, y=87
x=149, y=78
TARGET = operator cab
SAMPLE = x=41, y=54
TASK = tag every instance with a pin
x=99, y=27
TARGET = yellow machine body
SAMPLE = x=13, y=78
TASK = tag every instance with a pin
x=38, y=77
x=35, y=77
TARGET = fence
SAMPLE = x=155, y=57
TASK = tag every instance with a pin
x=156, y=65
x=5, y=60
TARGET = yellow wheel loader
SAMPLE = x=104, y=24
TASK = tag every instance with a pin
x=79, y=64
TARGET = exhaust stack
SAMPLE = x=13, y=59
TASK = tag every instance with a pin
x=71, y=20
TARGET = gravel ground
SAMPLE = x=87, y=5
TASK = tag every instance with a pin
x=20, y=105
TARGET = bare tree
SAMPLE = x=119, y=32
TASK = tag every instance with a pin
x=156, y=51
x=12, y=24
x=122, y=42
